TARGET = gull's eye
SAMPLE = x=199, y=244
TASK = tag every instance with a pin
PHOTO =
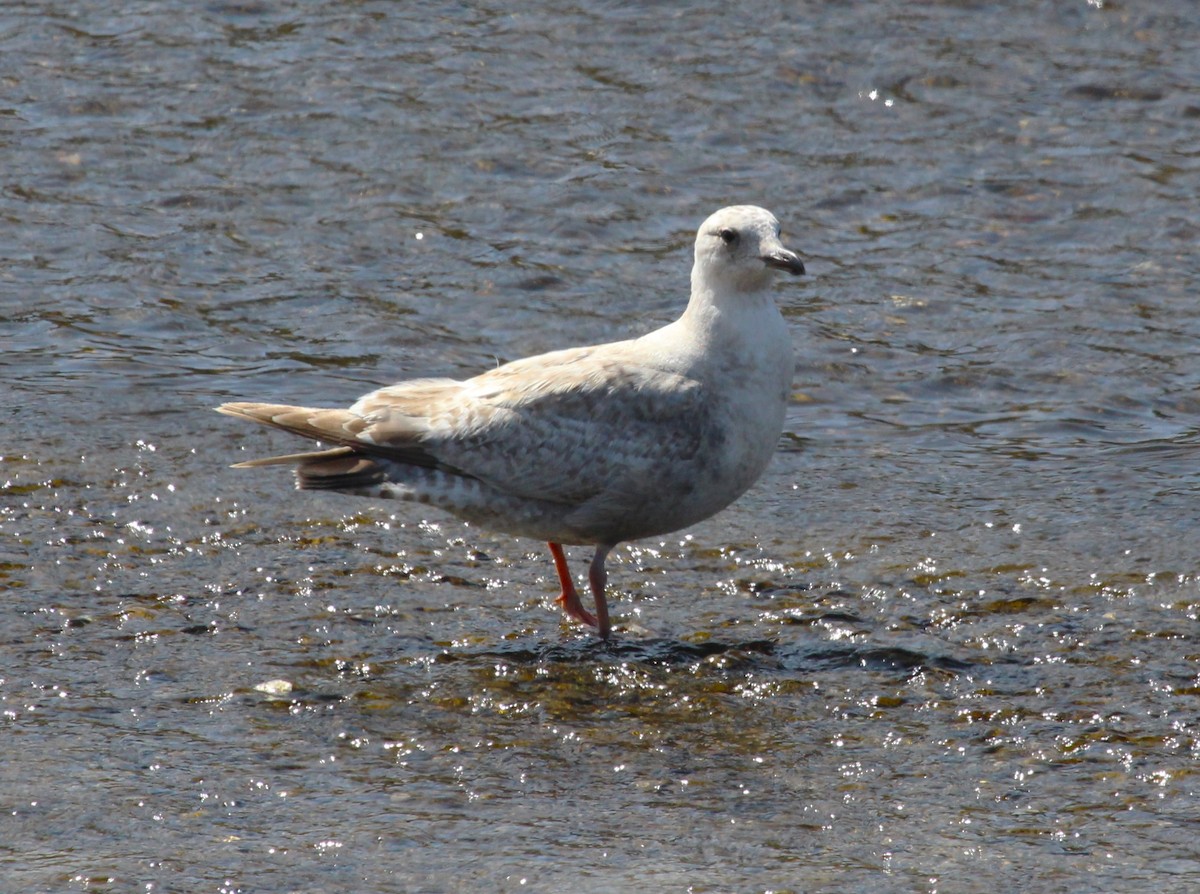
x=728, y=235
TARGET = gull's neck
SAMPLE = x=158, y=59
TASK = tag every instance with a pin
x=720, y=304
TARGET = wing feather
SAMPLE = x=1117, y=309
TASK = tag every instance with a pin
x=562, y=427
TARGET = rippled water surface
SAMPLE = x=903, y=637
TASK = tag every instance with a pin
x=948, y=643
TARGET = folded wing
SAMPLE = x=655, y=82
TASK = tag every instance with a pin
x=562, y=428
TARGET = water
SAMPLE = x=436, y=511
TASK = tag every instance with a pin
x=948, y=643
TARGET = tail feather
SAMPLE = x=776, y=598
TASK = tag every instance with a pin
x=347, y=471
x=350, y=464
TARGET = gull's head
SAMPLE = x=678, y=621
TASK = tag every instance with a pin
x=738, y=249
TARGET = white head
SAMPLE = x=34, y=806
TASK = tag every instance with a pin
x=738, y=249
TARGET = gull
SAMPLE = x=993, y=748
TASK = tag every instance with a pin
x=593, y=445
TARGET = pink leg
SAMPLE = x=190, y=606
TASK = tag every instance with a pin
x=598, y=577
x=569, y=598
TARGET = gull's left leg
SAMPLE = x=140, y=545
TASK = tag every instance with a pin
x=597, y=578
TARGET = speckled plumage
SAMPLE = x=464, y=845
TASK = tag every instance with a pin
x=592, y=445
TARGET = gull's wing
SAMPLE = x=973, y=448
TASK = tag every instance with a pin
x=561, y=427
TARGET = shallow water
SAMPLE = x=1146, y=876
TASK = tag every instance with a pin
x=948, y=643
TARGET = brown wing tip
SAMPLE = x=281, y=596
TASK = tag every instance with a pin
x=254, y=411
x=292, y=459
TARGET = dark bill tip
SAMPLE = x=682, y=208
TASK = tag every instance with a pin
x=785, y=260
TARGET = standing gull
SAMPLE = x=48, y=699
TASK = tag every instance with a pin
x=593, y=445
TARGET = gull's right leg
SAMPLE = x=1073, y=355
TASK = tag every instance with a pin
x=569, y=598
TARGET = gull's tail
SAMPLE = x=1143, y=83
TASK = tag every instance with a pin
x=345, y=467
